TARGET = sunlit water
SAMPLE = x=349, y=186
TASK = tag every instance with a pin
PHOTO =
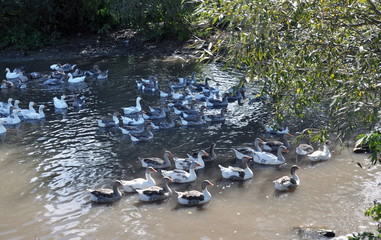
x=46, y=167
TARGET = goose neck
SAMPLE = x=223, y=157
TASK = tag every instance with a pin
x=280, y=155
x=149, y=177
x=205, y=192
x=212, y=153
x=166, y=188
x=115, y=119
x=256, y=146
x=116, y=190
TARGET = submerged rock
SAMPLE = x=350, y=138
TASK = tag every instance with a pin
x=360, y=146
x=312, y=233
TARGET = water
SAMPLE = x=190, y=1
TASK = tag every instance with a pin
x=46, y=167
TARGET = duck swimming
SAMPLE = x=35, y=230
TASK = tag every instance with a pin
x=248, y=151
x=105, y=195
x=211, y=154
x=194, y=197
x=13, y=119
x=132, y=121
x=33, y=115
x=156, y=193
x=133, y=110
x=320, y=155
x=216, y=103
x=238, y=173
x=139, y=183
x=142, y=137
x=266, y=158
x=75, y=79
x=13, y=75
x=273, y=145
x=157, y=162
x=60, y=103
x=105, y=123
x=182, y=176
x=287, y=183
x=184, y=163
x=304, y=149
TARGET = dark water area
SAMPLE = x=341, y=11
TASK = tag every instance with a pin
x=46, y=166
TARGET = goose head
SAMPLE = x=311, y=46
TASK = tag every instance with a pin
x=206, y=183
x=150, y=170
x=294, y=168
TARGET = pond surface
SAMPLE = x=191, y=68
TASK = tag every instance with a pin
x=46, y=167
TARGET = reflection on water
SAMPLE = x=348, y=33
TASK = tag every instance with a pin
x=46, y=167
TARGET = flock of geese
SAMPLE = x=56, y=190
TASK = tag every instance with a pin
x=180, y=100
x=12, y=114
x=185, y=172
x=189, y=102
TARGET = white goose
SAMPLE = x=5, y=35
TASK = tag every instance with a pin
x=55, y=66
x=184, y=163
x=102, y=75
x=304, y=149
x=13, y=75
x=39, y=115
x=132, y=121
x=22, y=112
x=320, y=155
x=287, y=183
x=75, y=79
x=11, y=120
x=140, y=183
x=182, y=176
x=133, y=110
x=5, y=108
x=60, y=103
x=237, y=173
x=266, y=158
x=194, y=197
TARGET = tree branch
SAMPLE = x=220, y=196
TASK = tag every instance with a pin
x=374, y=7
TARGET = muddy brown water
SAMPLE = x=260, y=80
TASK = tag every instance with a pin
x=46, y=167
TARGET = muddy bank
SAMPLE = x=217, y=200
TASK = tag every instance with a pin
x=120, y=43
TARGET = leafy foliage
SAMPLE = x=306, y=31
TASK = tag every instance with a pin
x=315, y=59
x=372, y=141
x=375, y=213
x=157, y=18
x=35, y=23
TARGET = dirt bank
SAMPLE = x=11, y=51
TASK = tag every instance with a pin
x=120, y=43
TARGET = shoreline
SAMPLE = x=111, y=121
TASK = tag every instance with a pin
x=117, y=44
